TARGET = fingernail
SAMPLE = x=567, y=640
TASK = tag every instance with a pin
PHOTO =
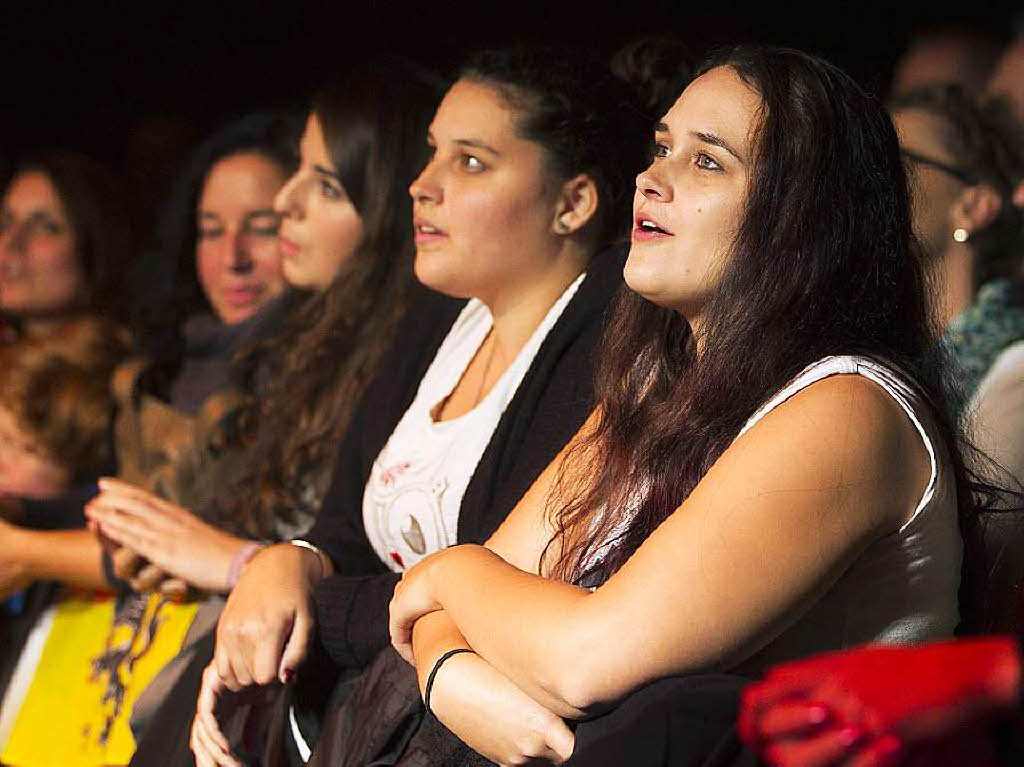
x=850, y=735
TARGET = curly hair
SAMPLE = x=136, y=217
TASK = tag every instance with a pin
x=56, y=385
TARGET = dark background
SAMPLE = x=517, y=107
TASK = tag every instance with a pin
x=117, y=79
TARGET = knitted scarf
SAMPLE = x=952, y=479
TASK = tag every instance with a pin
x=980, y=333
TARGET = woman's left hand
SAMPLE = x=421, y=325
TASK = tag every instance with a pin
x=172, y=538
x=413, y=598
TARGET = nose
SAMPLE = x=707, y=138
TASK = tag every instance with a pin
x=239, y=257
x=426, y=186
x=13, y=240
x=652, y=186
x=287, y=201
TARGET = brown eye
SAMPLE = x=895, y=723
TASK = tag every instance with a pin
x=706, y=161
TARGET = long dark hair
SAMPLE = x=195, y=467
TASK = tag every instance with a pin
x=824, y=262
x=100, y=218
x=167, y=277
x=375, y=125
x=586, y=119
x=987, y=142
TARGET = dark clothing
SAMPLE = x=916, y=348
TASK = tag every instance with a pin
x=550, y=405
x=675, y=722
x=552, y=402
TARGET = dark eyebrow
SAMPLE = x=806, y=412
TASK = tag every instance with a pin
x=208, y=214
x=327, y=172
x=477, y=145
x=711, y=138
x=260, y=213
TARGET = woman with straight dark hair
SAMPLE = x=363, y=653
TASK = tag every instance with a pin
x=770, y=469
x=524, y=194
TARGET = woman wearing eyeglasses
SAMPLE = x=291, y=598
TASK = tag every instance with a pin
x=965, y=160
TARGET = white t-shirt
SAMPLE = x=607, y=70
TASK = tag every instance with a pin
x=414, y=493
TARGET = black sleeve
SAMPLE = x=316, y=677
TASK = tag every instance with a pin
x=356, y=597
x=65, y=512
x=550, y=405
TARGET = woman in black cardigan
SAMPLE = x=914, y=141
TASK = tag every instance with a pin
x=526, y=189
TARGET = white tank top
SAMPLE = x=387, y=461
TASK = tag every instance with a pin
x=412, y=499
x=903, y=587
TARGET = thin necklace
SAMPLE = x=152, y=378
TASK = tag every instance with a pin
x=487, y=368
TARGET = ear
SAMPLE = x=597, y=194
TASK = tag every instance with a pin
x=976, y=208
x=1018, y=195
x=576, y=205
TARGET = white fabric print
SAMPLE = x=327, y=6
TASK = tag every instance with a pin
x=412, y=498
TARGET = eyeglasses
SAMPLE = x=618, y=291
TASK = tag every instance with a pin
x=957, y=173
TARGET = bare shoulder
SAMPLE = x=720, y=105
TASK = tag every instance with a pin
x=844, y=431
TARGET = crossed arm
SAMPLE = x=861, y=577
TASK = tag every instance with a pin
x=771, y=526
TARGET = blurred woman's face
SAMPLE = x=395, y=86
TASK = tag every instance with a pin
x=25, y=470
x=40, y=273
x=689, y=202
x=320, y=226
x=935, y=191
x=236, y=246
x=484, y=206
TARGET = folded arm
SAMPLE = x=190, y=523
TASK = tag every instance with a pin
x=771, y=526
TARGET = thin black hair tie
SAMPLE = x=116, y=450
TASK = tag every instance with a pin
x=433, y=673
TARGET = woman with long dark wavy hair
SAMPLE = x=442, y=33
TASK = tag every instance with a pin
x=517, y=217
x=346, y=245
x=770, y=469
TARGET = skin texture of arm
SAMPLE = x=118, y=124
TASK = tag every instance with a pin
x=771, y=526
x=481, y=705
x=73, y=557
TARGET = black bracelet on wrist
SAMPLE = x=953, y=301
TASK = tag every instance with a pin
x=433, y=673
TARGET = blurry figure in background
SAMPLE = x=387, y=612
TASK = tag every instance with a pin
x=209, y=293
x=945, y=56
x=55, y=416
x=346, y=238
x=219, y=268
x=65, y=242
x=1007, y=79
x=966, y=160
x=657, y=68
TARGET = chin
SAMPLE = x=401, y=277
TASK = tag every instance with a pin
x=438, y=274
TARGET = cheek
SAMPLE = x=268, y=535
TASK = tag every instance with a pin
x=29, y=475
x=493, y=230
x=208, y=265
x=55, y=273
x=266, y=258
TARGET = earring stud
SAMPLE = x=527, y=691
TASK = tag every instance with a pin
x=960, y=234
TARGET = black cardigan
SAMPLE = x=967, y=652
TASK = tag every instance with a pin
x=552, y=402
